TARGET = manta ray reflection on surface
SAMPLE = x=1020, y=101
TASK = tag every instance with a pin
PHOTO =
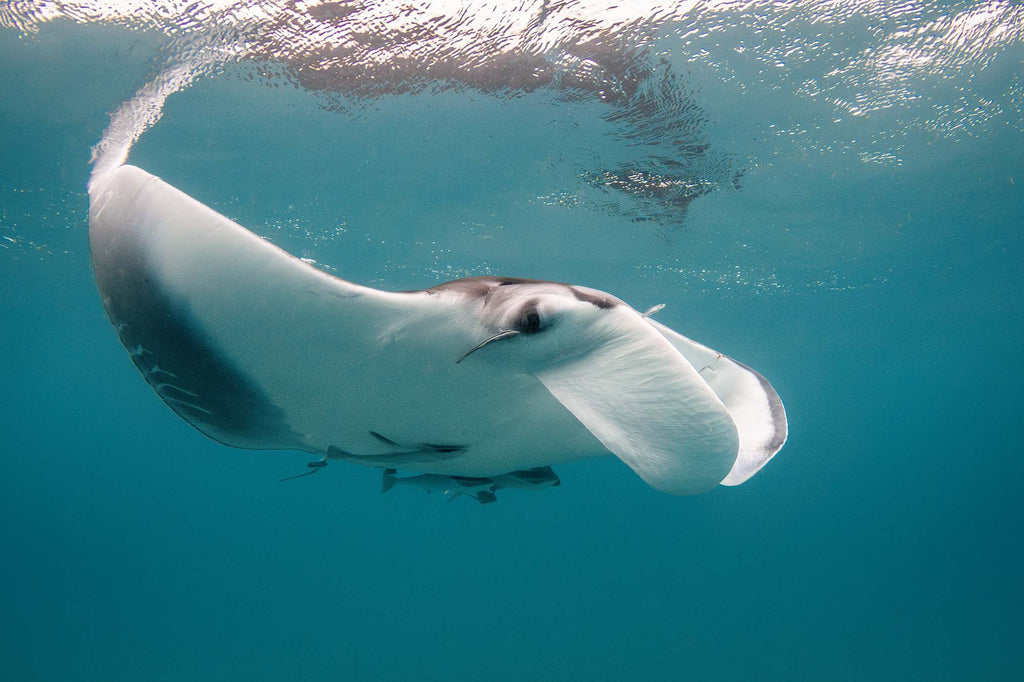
x=482, y=378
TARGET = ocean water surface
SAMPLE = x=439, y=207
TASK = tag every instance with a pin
x=828, y=192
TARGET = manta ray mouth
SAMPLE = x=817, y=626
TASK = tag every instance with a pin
x=507, y=333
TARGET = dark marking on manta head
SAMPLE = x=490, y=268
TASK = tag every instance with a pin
x=603, y=301
x=481, y=287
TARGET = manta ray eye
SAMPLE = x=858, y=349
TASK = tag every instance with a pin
x=529, y=321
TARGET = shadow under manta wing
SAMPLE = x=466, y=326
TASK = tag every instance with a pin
x=245, y=342
x=158, y=325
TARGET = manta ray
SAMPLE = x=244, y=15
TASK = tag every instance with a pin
x=476, y=378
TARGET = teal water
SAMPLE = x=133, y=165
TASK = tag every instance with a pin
x=868, y=263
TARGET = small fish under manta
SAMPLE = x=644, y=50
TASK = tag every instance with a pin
x=479, y=379
x=481, y=489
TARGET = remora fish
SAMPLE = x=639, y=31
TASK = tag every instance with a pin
x=449, y=486
x=482, y=489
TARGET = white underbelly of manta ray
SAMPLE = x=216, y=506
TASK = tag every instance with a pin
x=477, y=377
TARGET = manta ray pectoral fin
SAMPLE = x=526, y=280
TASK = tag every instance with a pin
x=247, y=343
x=754, y=405
x=648, y=406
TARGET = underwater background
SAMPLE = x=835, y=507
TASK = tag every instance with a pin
x=829, y=192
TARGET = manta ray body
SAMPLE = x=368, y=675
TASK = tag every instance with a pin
x=474, y=378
